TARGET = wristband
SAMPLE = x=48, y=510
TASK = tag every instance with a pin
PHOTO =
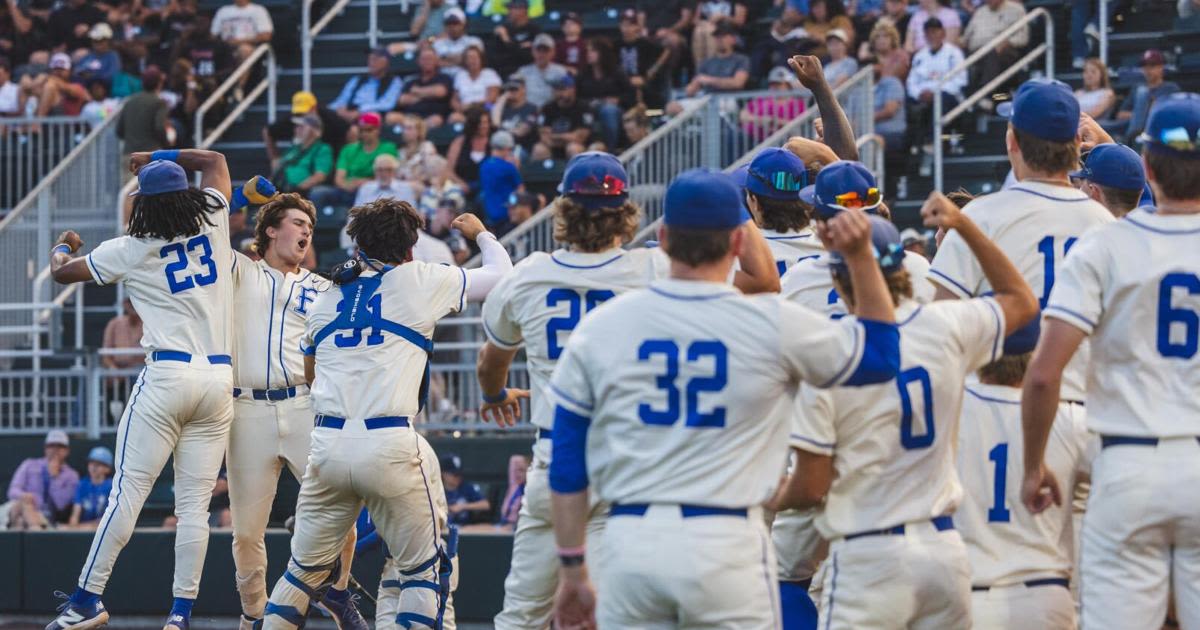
x=498, y=398
x=61, y=247
x=170, y=155
x=571, y=561
x=572, y=551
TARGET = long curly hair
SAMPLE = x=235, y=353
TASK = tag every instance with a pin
x=593, y=230
x=172, y=215
x=385, y=229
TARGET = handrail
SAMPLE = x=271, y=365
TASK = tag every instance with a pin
x=307, y=33
x=229, y=84
x=1104, y=32
x=940, y=119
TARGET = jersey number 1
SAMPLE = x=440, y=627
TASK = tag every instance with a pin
x=998, y=513
x=181, y=263
x=1046, y=247
x=591, y=300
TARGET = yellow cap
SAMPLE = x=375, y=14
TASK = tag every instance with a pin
x=303, y=102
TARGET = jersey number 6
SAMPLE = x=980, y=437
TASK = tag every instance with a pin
x=1170, y=315
x=696, y=351
x=181, y=263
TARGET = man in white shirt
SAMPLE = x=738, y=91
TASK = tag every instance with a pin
x=454, y=41
x=929, y=66
x=10, y=93
x=243, y=25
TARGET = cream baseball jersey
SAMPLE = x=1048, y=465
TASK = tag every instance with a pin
x=893, y=443
x=376, y=371
x=808, y=283
x=686, y=391
x=182, y=289
x=1134, y=287
x=273, y=308
x=1005, y=543
x=546, y=296
x=789, y=248
x=1035, y=224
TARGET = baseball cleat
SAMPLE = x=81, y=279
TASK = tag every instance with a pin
x=342, y=607
x=176, y=622
x=79, y=617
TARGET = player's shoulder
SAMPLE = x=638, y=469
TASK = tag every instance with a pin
x=316, y=281
x=218, y=198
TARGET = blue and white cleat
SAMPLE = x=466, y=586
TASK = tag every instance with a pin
x=342, y=607
x=78, y=616
x=176, y=621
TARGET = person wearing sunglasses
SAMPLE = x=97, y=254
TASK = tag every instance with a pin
x=772, y=183
x=1113, y=175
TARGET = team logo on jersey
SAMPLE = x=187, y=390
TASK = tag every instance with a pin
x=307, y=294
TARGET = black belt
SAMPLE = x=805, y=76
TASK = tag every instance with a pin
x=1129, y=440
x=186, y=357
x=942, y=523
x=687, y=510
x=1063, y=582
x=282, y=393
x=545, y=434
x=381, y=422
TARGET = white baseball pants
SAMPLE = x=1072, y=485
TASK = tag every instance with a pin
x=1018, y=607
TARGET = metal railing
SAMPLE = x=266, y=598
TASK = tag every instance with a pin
x=941, y=120
x=30, y=148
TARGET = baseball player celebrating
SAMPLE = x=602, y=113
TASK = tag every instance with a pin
x=272, y=424
x=772, y=182
x=1133, y=286
x=368, y=342
x=174, y=264
x=881, y=457
x=672, y=404
x=1020, y=562
x=538, y=306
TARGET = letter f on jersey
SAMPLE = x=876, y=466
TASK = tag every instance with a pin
x=307, y=294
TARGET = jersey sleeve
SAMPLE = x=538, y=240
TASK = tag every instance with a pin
x=956, y=268
x=1076, y=297
x=446, y=289
x=498, y=322
x=827, y=353
x=114, y=258
x=812, y=427
x=977, y=326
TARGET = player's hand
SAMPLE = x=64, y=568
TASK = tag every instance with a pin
x=939, y=212
x=575, y=601
x=469, y=224
x=847, y=233
x=507, y=412
x=1040, y=489
x=819, y=128
x=70, y=239
x=808, y=69
x=138, y=160
x=1091, y=133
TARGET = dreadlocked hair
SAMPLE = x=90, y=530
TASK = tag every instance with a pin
x=172, y=215
x=385, y=229
x=593, y=230
x=782, y=215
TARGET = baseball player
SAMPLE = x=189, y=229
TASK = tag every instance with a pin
x=1036, y=221
x=772, y=182
x=1020, y=562
x=272, y=424
x=174, y=263
x=538, y=306
x=881, y=458
x=1113, y=175
x=368, y=342
x=1133, y=287
x=672, y=403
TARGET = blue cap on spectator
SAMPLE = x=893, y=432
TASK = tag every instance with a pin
x=451, y=463
x=704, y=199
x=885, y=240
x=1024, y=339
x=102, y=455
x=564, y=82
x=777, y=174
x=160, y=176
x=1044, y=108
x=845, y=184
x=1174, y=127
x=1113, y=165
x=595, y=179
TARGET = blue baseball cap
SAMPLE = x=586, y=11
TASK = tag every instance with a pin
x=1174, y=127
x=1024, y=339
x=704, y=199
x=160, y=176
x=102, y=455
x=1044, y=108
x=844, y=177
x=1115, y=166
x=777, y=174
x=1147, y=198
x=563, y=82
x=740, y=175
x=595, y=179
x=885, y=240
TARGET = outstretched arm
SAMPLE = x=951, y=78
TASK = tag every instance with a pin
x=839, y=135
x=501, y=405
x=758, y=272
x=63, y=266
x=214, y=173
x=1039, y=403
x=496, y=262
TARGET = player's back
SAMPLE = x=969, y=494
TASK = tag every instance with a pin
x=182, y=289
x=789, y=248
x=893, y=443
x=1005, y=543
x=809, y=284
x=1136, y=288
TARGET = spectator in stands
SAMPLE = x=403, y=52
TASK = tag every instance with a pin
x=988, y=21
x=514, y=38
x=43, y=488
x=542, y=73
x=334, y=128
x=1135, y=109
x=1083, y=25
x=515, y=114
x=783, y=42
x=475, y=83
x=102, y=62
x=467, y=152
x=463, y=498
x=930, y=64
x=426, y=94
x=308, y=162
x=896, y=13
x=243, y=25
x=885, y=51
x=419, y=159
x=566, y=124
x=825, y=16
x=915, y=242
x=602, y=85
x=434, y=251
x=890, y=119
x=510, y=507
x=643, y=61
x=726, y=71
x=1187, y=8
x=123, y=332
x=568, y=51
x=668, y=21
x=428, y=22
x=183, y=92
x=176, y=19
x=1113, y=175
x=142, y=123
x=865, y=13
x=91, y=497
x=386, y=183
x=764, y=115
x=70, y=23
x=211, y=57
x=12, y=98
x=355, y=164
x=635, y=125
x=57, y=95
x=454, y=41
x=499, y=178
x=18, y=37
x=709, y=14
x=377, y=91
x=102, y=104
x=841, y=65
x=1096, y=97
x=521, y=206
x=928, y=10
